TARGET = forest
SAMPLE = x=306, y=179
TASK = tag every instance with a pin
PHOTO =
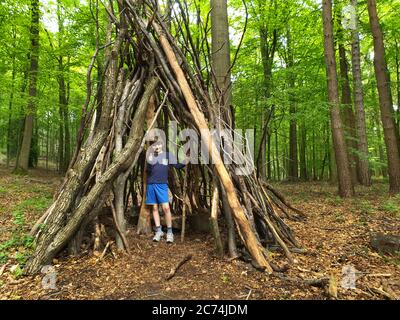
x=310, y=88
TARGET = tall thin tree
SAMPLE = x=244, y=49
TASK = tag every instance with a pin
x=23, y=157
x=293, y=154
x=346, y=188
x=363, y=165
x=221, y=65
x=385, y=100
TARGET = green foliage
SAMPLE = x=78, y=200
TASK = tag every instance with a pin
x=392, y=206
x=21, y=258
x=17, y=272
x=364, y=207
x=20, y=241
x=225, y=278
x=75, y=44
x=70, y=37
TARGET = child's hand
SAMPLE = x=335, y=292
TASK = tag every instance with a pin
x=187, y=159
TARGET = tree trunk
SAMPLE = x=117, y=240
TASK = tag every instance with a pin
x=10, y=108
x=221, y=65
x=348, y=114
x=220, y=55
x=214, y=221
x=398, y=86
x=293, y=156
x=23, y=157
x=277, y=164
x=385, y=100
x=62, y=105
x=232, y=248
x=268, y=48
x=303, y=145
x=144, y=221
x=314, y=158
x=363, y=165
x=346, y=188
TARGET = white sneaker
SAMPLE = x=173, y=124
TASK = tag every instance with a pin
x=170, y=237
x=157, y=237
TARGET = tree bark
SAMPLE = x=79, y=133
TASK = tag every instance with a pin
x=144, y=221
x=348, y=114
x=214, y=221
x=346, y=188
x=397, y=56
x=10, y=106
x=363, y=165
x=23, y=157
x=303, y=145
x=385, y=100
x=293, y=154
x=268, y=48
x=220, y=48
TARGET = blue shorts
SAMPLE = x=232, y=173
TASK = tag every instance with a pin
x=157, y=193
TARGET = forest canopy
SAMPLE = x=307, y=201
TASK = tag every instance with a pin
x=280, y=64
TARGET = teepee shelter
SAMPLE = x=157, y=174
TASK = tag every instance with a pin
x=149, y=73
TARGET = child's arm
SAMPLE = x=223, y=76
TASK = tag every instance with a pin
x=173, y=161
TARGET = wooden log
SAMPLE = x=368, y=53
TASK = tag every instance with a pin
x=385, y=243
x=144, y=222
x=214, y=221
x=176, y=268
x=185, y=177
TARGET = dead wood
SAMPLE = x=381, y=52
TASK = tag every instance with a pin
x=176, y=268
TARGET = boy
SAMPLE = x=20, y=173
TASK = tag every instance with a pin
x=157, y=187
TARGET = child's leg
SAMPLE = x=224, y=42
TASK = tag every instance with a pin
x=168, y=216
x=156, y=217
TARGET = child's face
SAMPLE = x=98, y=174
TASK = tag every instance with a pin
x=158, y=147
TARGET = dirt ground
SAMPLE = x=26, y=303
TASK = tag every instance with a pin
x=335, y=235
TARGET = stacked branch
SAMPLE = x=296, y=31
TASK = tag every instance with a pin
x=146, y=64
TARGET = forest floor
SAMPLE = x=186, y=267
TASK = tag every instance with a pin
x=335, y=235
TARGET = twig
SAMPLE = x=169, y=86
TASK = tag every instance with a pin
x=180, y=264
x=184, y=204
x=383, y=293
x=3, y=268
x=121, y=234
x=105, y=250
x=247, y=298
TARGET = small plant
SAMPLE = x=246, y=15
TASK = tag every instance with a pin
x=28, y=241
x=40, y=203
x=364, y=207
x=225, y=278
x=392, y=206
x=5, y=248
x=21, y=258
x=16, y=271
x=15, y=297
x=335, y=200
x=339, y=218
x=19, y=219
x=3, y=257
